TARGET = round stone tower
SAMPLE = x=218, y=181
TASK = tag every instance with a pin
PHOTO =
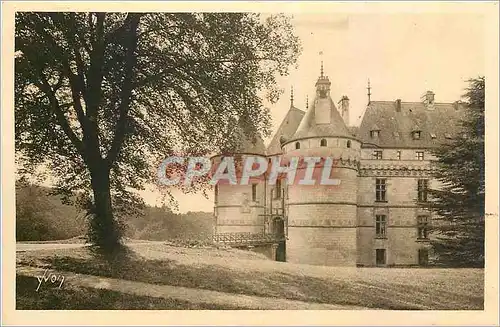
x=240, y=208
x=322, y=218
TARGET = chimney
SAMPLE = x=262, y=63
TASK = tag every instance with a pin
x=398, y=105
x=428, y=100
x=457, y=105
x=344, y=109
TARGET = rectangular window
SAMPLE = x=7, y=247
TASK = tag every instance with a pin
x=422, y=185
x=380, y=257
x=254, y=192
x=380, y=190
x=398, y=155
x=216, y=191
x=277, y=189
x=377, y=155
x=380, y=226
x=423, y=227
x=419, y=155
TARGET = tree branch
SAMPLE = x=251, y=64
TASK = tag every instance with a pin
x=56, y=108
x=126, y=94
x=74, y=84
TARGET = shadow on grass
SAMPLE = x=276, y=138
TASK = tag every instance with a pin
x=49, y=297
x=216, y=278
x=381, y=293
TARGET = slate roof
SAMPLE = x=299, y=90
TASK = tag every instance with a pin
x=396, y=127
x=286, y=129
x=354, y=130
x=243, y=144
x=252, y=146
x=309, y=128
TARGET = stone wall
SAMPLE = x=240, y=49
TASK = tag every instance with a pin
x=236, y=212
x=328, y=246
x=401, y=209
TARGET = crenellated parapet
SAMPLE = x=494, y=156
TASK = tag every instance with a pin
x=407, y=170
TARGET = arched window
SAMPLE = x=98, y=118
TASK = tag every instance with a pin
x=297, y=145
x=349, y=143
x=323, y=142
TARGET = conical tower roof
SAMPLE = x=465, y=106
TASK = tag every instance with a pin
x=322, y=119
x=244, y=144
x=286, y=130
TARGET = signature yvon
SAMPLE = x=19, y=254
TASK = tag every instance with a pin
x=49, y=277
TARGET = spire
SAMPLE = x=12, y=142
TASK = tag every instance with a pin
x=369, y=91
x=321, y=55
x=323, y=83
x=291, y=96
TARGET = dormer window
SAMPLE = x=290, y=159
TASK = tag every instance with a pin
x=297, y=145
x=416, y=135
x=433, y=136
x=322, y=142
x=377, y=155
x=374, y=133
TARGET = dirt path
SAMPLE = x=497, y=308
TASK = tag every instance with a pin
x=192, y=295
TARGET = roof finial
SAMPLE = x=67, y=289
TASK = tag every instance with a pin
x=321, y=54
x=369, y=91
x=291, y=96
x=307, y=102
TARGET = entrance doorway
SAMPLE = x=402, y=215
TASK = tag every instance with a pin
x=278, y=227
x=380, y=257
x=423, y=257
x=281, y=251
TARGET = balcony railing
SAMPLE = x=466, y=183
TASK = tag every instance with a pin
x=246, y=238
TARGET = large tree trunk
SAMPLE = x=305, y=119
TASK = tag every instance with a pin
x=105, y=231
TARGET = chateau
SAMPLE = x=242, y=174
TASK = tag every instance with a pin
x=373, y=218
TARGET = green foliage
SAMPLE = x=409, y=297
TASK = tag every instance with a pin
x=102, y=98
x=41, y=216
x=460, y=202
x=159, y=224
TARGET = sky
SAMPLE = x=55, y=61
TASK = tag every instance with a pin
x=403, y=55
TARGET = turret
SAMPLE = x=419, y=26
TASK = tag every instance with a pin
x=322, y=218
x=240, y=208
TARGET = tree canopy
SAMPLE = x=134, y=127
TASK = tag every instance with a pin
x=460, y=202
x=102, y=98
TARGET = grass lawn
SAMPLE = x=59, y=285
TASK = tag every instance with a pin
x=242, y=272
x=84, y=298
